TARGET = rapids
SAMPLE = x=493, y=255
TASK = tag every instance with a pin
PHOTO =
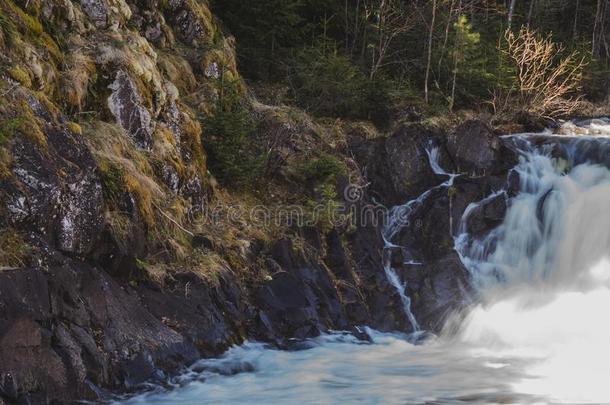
x=537, y=333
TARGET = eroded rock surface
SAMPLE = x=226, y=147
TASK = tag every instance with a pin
x=125, y=103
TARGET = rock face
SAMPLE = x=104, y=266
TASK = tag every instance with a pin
x=70, y=328
x=438, y=283
x=398, y=166
x=125, y=103
x=56, y=192
x=475, y=148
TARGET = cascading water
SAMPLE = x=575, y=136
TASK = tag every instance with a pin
x=538, y=334
x=544, y=274
x=399, y=217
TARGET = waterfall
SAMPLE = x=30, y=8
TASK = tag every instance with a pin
x=555, y=229
x=397, y=219
x=538, y=333
x=543, y=275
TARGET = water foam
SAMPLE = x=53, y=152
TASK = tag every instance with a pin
x=544, y=278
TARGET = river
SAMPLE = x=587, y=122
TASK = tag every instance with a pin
x=538, y=332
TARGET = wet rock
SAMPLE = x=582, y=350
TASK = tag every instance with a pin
x=398, y=167
x=476, y=149
x=445, y=290
x=513, y=183
x=206, y=315
x=487, y=215
x=126, y=105
x=408, y=161
x=300, y=301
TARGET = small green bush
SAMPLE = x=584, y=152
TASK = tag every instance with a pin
x=228, y=136
x=322, y=169
x=326, y=83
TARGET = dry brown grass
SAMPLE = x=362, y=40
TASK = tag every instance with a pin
x=13, y=249
x=75, y=79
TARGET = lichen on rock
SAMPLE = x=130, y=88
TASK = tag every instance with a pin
x=125, y=103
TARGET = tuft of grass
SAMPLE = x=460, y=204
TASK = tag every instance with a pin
x=112, y=180
x=8, y=29
x=31, y=24
x=13, y=249
x=5, y=162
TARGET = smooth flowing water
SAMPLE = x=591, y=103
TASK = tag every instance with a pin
x=539, y=333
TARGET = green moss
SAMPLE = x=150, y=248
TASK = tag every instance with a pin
x=32, y=7
x=29, y=23
x=20, y=75
x=30, y=26
x=323, y=168
x=74, y=127
x=112, y=180
x=9, y=128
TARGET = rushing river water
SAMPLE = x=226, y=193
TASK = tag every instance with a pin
x=539, y=333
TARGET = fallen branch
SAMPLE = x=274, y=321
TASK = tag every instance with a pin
x=183, y=229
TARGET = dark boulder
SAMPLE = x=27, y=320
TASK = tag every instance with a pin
x=487, y=215
x=398, y=167
x=71, y=326
x=475, y=148
x=206, y=314
x=408, y=161
x=445, y=289
x=300, y=300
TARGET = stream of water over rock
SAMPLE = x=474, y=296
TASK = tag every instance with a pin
x=537, y=332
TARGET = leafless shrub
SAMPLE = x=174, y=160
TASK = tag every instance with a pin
x=547, y=78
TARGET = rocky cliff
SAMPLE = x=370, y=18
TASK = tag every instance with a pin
x=111, y=270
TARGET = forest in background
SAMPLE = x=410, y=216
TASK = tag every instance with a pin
x=381, y=59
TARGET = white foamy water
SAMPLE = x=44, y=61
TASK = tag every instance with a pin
x=397, y=219
x=538, y=335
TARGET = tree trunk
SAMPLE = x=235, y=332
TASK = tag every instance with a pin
x=530, y=13
x=455, y=71
x=595, y=40
x=511, y=12
x=449, y=20
x=430, y=36
x=575, y=27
